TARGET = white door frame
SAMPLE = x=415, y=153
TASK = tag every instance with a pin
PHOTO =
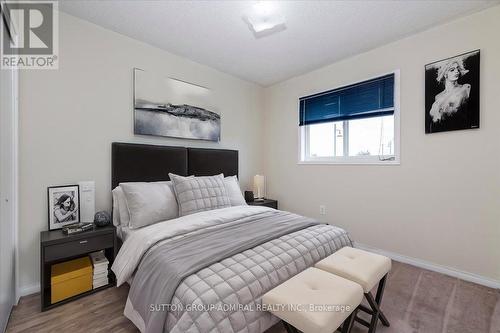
x=15, y=175
x=9, y=191
x=15, y=181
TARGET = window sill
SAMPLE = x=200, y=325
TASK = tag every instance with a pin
x=349, y=162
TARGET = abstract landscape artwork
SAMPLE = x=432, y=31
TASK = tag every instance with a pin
x=173, y=108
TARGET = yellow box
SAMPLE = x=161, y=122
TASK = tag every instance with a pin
x=70, y=278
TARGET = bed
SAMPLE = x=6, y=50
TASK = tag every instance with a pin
x=206, y=272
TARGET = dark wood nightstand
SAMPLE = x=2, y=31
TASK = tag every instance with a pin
x=266, y=202
x=56, y=247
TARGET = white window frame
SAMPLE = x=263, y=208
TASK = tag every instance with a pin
x=364, y=160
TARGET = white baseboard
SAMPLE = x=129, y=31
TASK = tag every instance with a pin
x=27, y=290
x=471, y=277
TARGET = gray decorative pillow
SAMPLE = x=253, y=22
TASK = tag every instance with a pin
x=196, y=194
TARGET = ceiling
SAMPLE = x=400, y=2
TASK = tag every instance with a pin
x=317, y=32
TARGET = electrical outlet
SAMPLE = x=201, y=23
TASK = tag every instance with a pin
x=322, y=210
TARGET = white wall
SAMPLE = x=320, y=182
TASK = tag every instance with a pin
x=70, y=116
x=442, y=203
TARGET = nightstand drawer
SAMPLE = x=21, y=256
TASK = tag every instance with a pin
x=80, y=246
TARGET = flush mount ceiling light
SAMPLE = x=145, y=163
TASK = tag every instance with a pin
x=264, y=19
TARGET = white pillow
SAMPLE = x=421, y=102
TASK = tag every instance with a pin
x=116, y=210
x=233, y=191
x=196, y=194
x=149, y=203
x=120, y=209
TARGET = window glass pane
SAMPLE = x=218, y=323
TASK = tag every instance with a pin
x=339, y=138
x=387, y=145
x=371, y=136
x=326, y=140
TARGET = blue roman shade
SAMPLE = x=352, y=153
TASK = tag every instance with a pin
x=372, y=98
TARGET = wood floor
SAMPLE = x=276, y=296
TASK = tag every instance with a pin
x=415, y=300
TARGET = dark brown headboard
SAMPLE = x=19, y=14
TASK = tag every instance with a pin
x=131, y=162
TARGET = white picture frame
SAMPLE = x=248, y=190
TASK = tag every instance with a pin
x=63, y=206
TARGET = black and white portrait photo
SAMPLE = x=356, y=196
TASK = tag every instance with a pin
x=169, y=107
x=452, y=93
x=63, y=203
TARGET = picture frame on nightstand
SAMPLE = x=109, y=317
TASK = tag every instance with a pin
x=63, y=205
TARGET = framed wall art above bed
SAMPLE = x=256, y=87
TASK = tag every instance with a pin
x=169, y=107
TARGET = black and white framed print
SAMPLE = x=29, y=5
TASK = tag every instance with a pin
x=169, y=107
x=452, y=93
x=63, y=204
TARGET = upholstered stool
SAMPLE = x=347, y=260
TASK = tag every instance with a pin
x=367, y=269
x=314, y=301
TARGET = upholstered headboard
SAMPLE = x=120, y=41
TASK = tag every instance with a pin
x=131, y=162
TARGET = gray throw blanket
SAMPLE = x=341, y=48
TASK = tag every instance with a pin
x=165, y=266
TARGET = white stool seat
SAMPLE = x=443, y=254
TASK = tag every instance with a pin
x=362, y=267
x=294, y=299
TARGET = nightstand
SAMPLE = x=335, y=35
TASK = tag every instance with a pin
x=266, y=202
x=56, y=247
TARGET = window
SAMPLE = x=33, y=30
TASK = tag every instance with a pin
x=358, y=123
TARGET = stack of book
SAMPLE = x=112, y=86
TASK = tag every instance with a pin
x=100, y=264
x=76, y=228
